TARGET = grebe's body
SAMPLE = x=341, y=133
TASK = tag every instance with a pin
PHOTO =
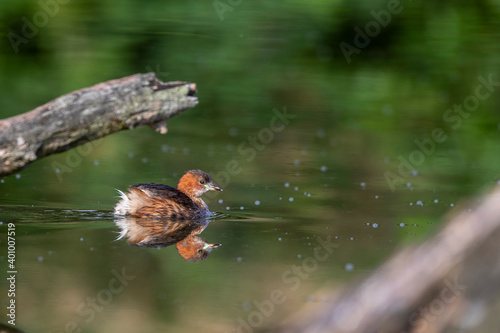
x=162, y=201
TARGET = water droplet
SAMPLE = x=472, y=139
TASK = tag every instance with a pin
x=452, y=205
x=96, y=162
x=376, y=197
x=419, y=203
x=296, y=162
x=387, y=110
x=233, y=132
x=323, y=168
x=296, y=188
x=91, y=248
x=279, y=239
x=57, y=171
x=227, y=208
x=375, y=225
x=239, y=259
x=352, y=238
x=436, y=200
x=81, y=239
x=164, y=148
x=287, y=184
x=299, y=256
x=414, y=173
x=144, y=160
x=131, y=155
x=401, y=224
x=349, y=267
x=290, y=199
x=18, y=176
x=221, y=201
x=363, y=184
x=40, y=259
x=320, y=133
x=257, y=202
x=241, y=208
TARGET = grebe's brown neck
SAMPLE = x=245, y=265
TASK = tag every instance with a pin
x=190, y=186
x=194, y=183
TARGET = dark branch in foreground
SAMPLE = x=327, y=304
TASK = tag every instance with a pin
x=446, y=282
x=91, y=113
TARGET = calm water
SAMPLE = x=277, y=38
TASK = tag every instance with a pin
x=328, y=167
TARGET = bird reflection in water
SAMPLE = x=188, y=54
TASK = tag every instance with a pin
x=162, y=232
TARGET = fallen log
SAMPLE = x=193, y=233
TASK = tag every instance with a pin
x=446, y=283
x=91, y=113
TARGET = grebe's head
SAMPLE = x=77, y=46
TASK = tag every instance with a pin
x=196, y=182
x=194, y=248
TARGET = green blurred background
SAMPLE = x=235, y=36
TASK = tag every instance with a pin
x=325, y=174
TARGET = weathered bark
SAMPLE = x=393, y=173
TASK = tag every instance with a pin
x=91, y=113
x=446, y=282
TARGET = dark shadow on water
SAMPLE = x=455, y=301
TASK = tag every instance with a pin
x=40, y=214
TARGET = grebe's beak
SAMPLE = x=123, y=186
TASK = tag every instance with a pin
x=211, y=246
x=212, y=187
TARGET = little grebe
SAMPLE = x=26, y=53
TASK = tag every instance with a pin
x=162, y=201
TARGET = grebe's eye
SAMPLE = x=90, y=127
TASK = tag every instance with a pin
x=200, y=251
x=202, y=181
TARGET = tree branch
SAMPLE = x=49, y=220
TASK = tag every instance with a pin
x=91, y=113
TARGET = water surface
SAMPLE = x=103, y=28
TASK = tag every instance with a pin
x=310, y=150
